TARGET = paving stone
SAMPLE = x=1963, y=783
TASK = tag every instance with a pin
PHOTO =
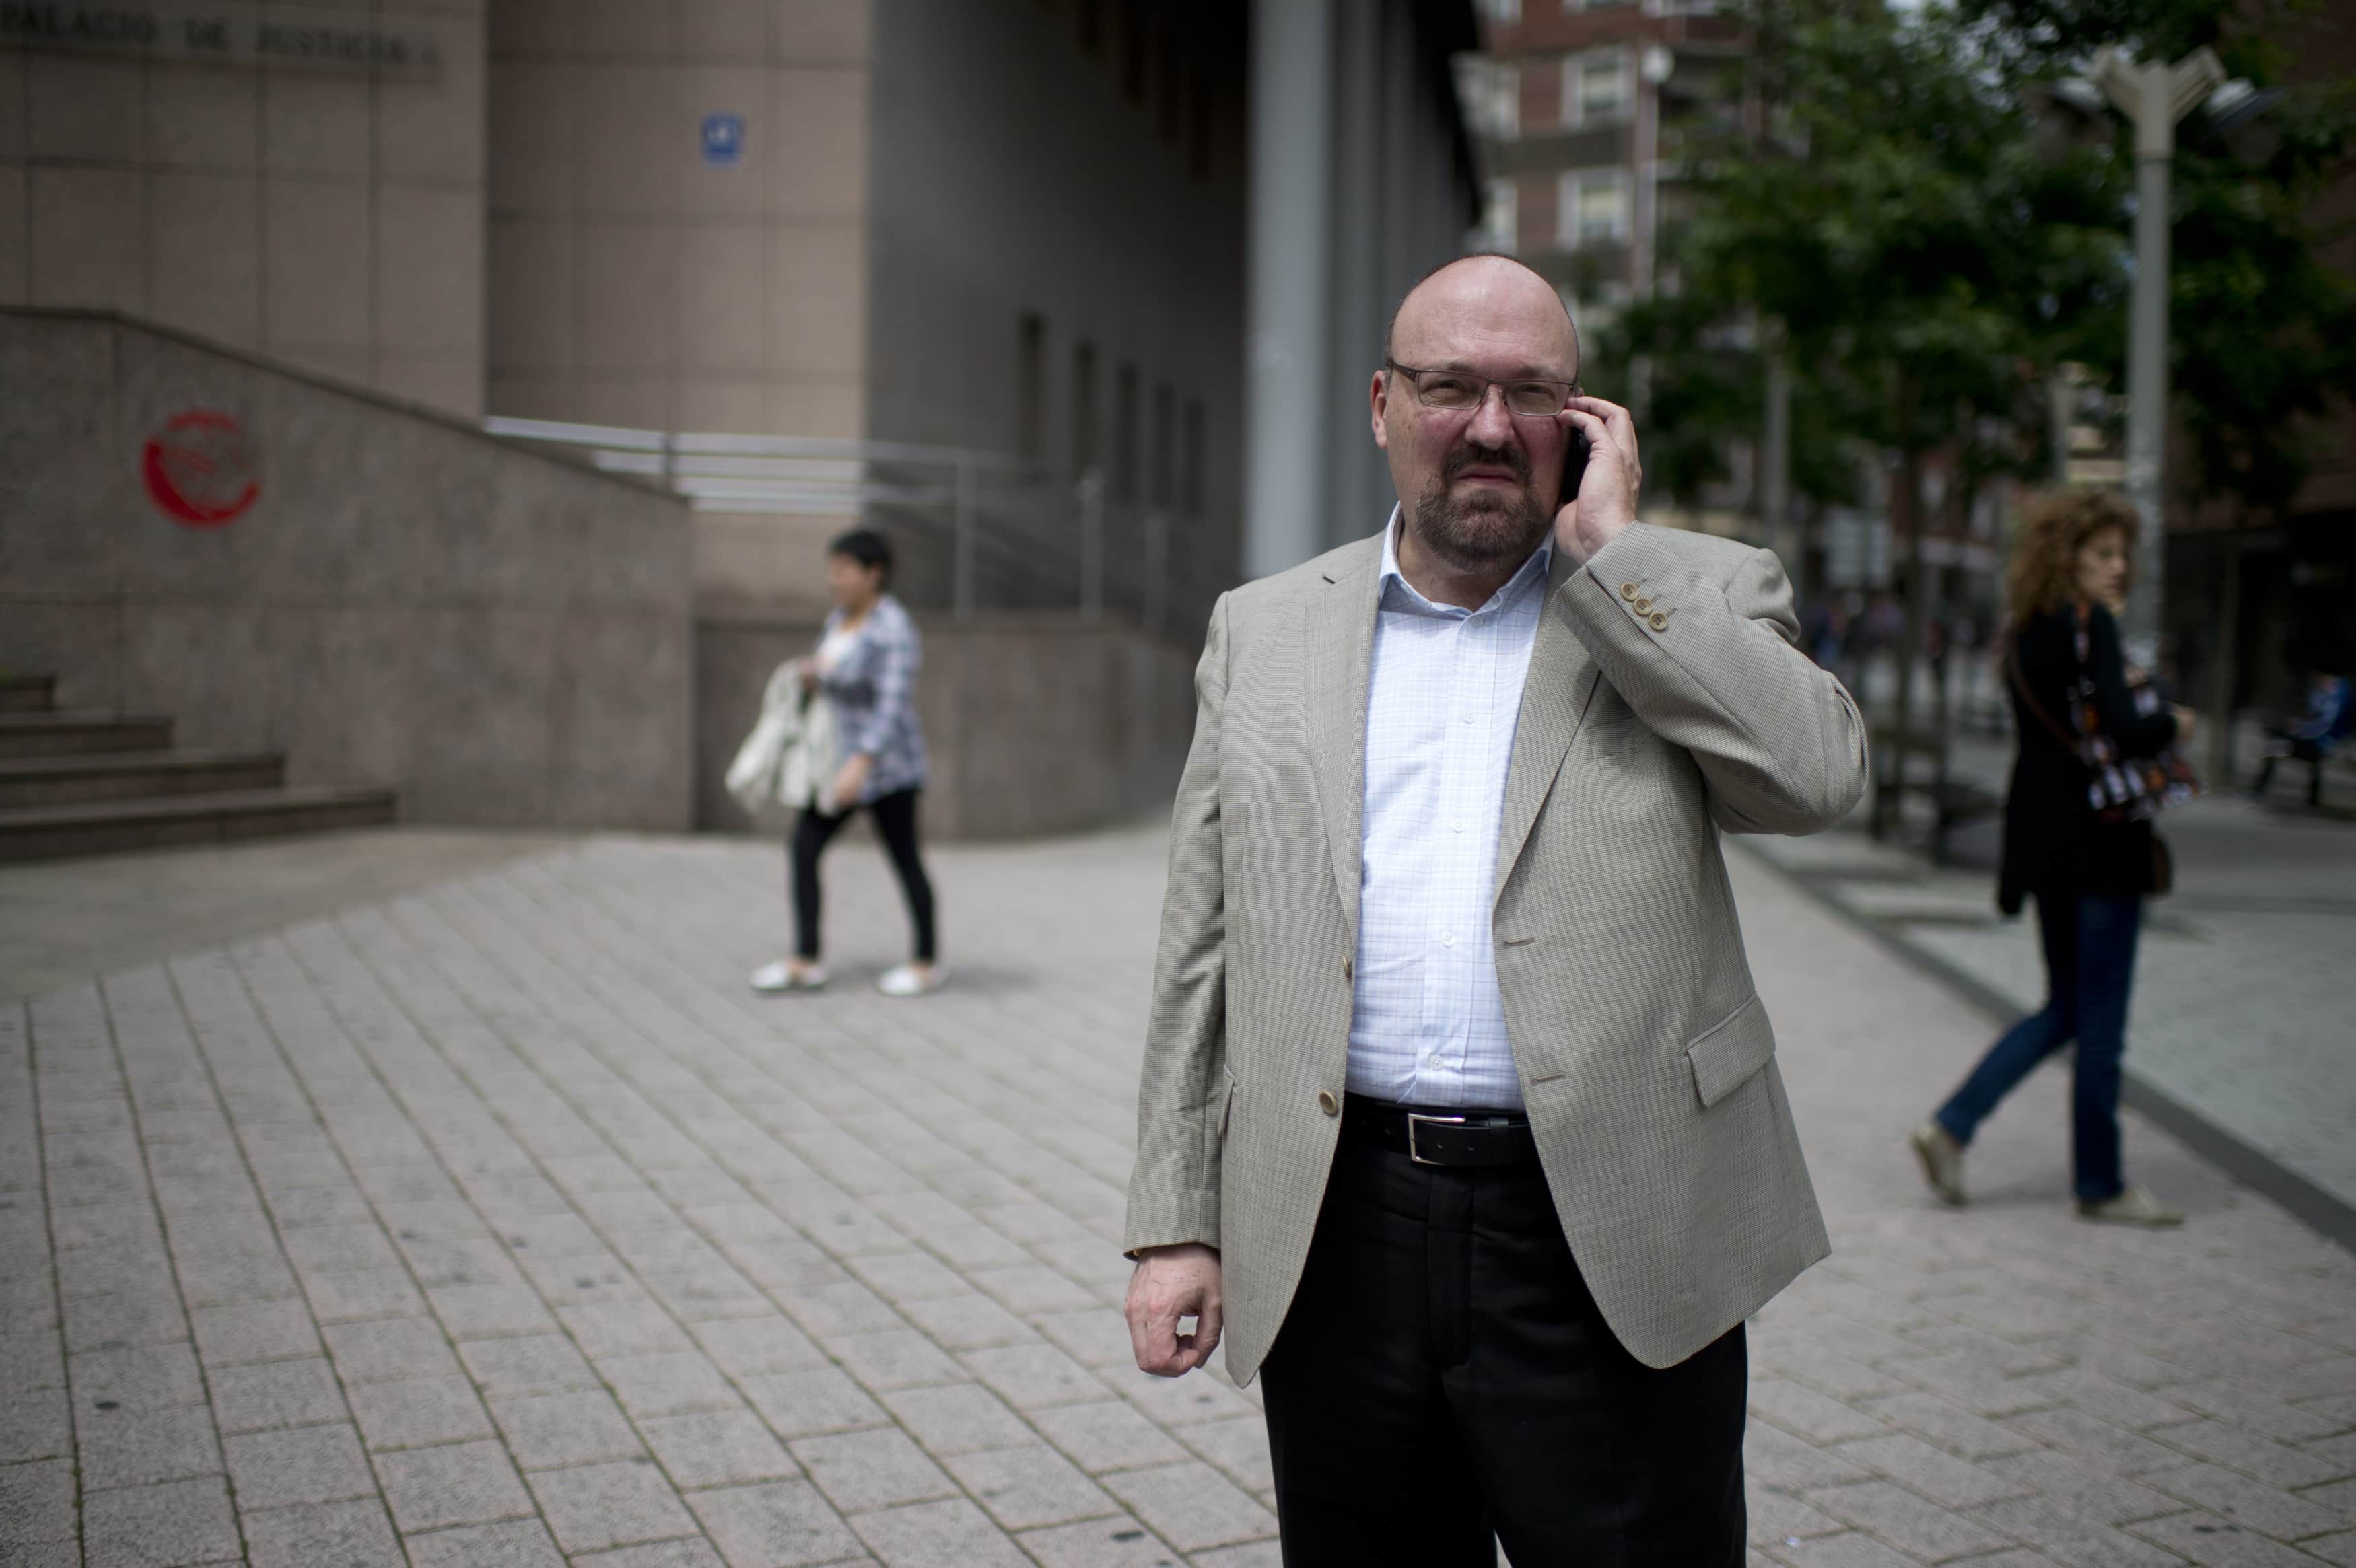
x=300, y=1464
x=37, y=1504
x=747, y=1347
x=1851, y=1551
x=153, y=1377
x=1178, y=1402
x=1025, y=1488
x=490, y=1311
x=799, y=1404
x=2250, y=1503
x=692, y=1553
x=780, y=1524
x=1117, y=1542
x=1238, y=1447
x=598, y=1506
x=717, y=1447
x=863, y=1470
x=419, y=1411
x=1107, y=1435
x=534, y=1364
x=953, y=1534
x=638, y=1327
x=2277, y=1463
x=666, y=1385
x=1943, y=1426
x=161, y=1526
x=546, y=1431
x=32, y=1361
x=241, y=1332
x=311, y=1535
x=459, y=1483
x=354, y=1296
x=2071, y=1537
x=276, y=1393
x=1190, y=1505
x=967, y=1322
x=2081, y=1489
x=957, y=1418
x=2215, y=1543
x=517, y=1544
x=1896, y=1516
x=139, y=1447
x=391, y=1351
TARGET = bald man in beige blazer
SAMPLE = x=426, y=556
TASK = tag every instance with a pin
x=1460, y=1114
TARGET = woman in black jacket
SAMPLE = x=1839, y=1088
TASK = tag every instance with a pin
x=2088, y=875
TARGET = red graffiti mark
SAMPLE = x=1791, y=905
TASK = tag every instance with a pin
x=198, y=471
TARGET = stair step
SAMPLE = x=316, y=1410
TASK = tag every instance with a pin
x=27, y=693
x=133, y=775
x=43, y=832
x=73, y=732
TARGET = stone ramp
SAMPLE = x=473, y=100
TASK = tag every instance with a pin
x=500, y=1224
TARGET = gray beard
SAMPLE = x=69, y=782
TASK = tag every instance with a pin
x=1483, y=534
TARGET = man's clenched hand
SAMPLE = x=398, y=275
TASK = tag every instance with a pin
x=1171, y=1283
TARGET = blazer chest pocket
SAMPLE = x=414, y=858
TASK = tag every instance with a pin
x=1611, y=738
x=1726, y=1055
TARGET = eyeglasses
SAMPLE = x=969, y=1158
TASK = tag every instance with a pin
x=1457, y=390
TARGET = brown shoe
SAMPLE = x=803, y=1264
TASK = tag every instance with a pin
x=1943, y=1160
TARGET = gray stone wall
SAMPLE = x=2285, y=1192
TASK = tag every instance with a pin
x=498, y=635
x=1034, y=724
x=330, y=218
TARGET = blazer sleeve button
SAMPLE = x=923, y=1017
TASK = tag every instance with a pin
x=1644, y=605
x=1659, y=623
x=1327, y=1103
x=1628, y=591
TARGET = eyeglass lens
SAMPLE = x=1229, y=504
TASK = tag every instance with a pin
x=1446, y=389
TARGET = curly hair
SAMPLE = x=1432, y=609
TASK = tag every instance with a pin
x=2054, y=527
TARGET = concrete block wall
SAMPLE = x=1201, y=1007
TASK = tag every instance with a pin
x=500, y=636
x=1034, y=724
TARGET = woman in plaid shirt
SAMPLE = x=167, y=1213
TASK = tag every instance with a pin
x=865, y=666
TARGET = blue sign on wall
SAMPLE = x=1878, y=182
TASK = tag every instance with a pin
x=724, y=140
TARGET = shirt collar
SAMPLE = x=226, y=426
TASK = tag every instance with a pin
x=1393, y=591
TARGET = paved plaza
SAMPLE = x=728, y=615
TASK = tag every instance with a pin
x=494, y=1223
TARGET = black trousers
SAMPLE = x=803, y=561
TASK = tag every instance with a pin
x=896, y=820
x=1444, y=1374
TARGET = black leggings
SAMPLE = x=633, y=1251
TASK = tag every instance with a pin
x=895, y=818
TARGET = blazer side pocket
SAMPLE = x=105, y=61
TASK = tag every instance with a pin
x=1726, y=1055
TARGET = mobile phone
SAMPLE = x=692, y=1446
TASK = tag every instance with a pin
x=1574, y=466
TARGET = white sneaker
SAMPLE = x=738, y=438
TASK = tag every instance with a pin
x=1943, y=1160
x=2134, y=1206
x=908, y=980
x=782, y=975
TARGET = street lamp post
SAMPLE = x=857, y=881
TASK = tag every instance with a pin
x=2154, y=97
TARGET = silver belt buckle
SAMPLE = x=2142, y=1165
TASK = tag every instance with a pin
x=1412, y=1118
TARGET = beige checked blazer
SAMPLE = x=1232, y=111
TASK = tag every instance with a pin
x=1667, y=700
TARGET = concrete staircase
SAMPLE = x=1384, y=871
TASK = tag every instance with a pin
x=74, y=782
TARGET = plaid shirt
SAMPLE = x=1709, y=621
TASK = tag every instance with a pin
x=874, y=690
x=1443, y=700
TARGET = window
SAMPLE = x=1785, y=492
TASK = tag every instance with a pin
x=1594, y=209
x=1190, y=492
x=1083, y=408
x=1502, y=12
x=1596, y=89
x=1165, y=445
x=1031, y=389
x=1501, y=227
x=1493, y=97
x=1124, y=433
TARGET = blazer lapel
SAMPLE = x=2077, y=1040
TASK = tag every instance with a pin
x=1555, y=700
x=1338, y=650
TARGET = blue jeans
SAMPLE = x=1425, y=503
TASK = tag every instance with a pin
x=2089, y=946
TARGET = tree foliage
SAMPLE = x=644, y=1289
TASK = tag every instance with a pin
x=1903, y=202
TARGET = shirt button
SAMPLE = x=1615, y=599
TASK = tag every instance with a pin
x=1448, y=939
x=1468, y=719
x=1458, y=826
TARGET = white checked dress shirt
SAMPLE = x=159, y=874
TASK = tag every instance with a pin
x=1428, y=1025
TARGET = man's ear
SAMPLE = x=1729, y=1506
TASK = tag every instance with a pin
x=1378, y=400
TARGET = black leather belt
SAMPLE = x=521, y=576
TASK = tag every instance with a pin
x=1435, y=1135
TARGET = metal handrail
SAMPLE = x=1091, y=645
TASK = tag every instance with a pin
x=720, y=471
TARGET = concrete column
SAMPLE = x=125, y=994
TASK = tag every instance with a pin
x=1290, y=275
